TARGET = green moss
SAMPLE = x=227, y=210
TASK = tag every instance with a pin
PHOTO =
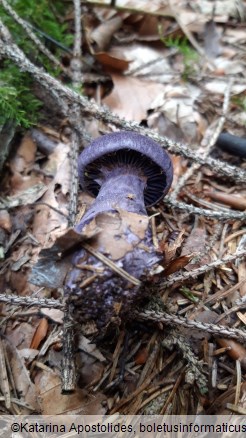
x=17, y=101
x=42, y=15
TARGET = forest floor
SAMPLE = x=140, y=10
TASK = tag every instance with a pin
x=175, y=72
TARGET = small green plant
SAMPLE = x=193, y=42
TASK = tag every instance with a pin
x=189, y=295
x=190, y=56
x=240, y=101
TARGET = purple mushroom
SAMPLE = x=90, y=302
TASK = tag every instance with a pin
x=127, y=172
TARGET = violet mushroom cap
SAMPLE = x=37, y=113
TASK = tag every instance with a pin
x=131, y=149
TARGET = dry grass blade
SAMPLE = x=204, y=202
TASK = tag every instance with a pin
x=172, y=394
x=112, y=265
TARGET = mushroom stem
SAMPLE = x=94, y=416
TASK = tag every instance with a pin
x=122, y=189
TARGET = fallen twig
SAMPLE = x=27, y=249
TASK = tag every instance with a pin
x=202, y=269
x=230, y=214
x=174, y=320
x=30, y=301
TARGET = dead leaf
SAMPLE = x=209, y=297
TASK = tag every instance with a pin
x=177, y=103
x=21, y=334
x=150, y=25
x=177, y=264
x=51, y=268
x=5, y=221
x=220, y=86
x=112, y=63
x=23, y=384
x=48, y=223
x=88, y=347
x=53, y=401
x=178, y=168
x=242, y=266
x=149, y=61
x=55, y=315
x=22, y=167
x=20, y=262
x=196, y=243
x=101, y=36
x=25, y=156
x=170, y=245
x=40, y=334
x=18, y=282
x=28, y=354
x=222, y=10
x=140, y=95
x=142, y=356
x=235, y=350
x=44, y=142
x=57, y=158
x=206, y=316
x=28, y=196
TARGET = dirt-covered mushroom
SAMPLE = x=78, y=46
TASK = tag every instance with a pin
x=126, y=172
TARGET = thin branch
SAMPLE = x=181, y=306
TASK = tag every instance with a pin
x=230, y=214
x=205, y=268
x=30, y=301
x=11, y=51
x=50, y=39
x=77, y=29
x=74, y=118
x=51, y=208
x=174, y=320
x=68, y=362
x=195, y=366
x=76, y=63
x=5, y=389
x=74, y=184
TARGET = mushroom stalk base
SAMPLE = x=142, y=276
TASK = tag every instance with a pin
x=101, y=295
